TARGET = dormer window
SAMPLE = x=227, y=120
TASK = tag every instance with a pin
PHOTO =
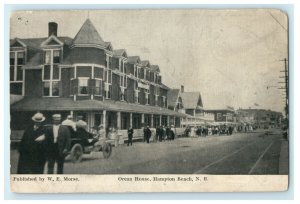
x=48, y=57
x=20, y=58
x=56, y=56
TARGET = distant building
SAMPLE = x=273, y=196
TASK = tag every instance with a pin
x=223, y=115
x=189, y=103
x=260, y=117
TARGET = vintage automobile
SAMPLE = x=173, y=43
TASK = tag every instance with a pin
x=84, y=142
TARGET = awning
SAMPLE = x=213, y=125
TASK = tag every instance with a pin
x=68, y=104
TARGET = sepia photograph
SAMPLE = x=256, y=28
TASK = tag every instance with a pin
x=150, y=97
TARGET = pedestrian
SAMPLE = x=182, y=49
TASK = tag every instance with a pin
x=130, y=135
x=147, y=134
x=32, y=156
x=159, y=133
x=69, y=122
x=58, y=144
x=81, y=123
x=101, y=131
x=173, y=132
x=168, y=133
x=163, y=133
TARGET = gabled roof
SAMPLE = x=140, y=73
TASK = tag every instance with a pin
x=88, y=35
x=172, y=96
x=52, y=40
x=17, y=43
x=37, y=42
x=133, y=59
x=145, y=63
x=154, y=68
x=191, y=100
x=120, y=53
x=165, y=86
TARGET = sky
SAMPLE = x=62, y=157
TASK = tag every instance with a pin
x=232, y=57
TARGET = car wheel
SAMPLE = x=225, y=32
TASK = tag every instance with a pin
x=106, y=150
x=76, y=153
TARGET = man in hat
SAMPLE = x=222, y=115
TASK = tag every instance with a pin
x=32, y=157
x=130, y=135
x=58, y=143
x=69, y=122
x=81, y=123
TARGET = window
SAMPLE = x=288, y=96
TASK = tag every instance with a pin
x=156, y=100
x=56, y=56
x=51, y=88
x=55, y=88
x=98, y=87
x=164, y=101
x=123, y=94
x=47, y=72
x=123, y=81
x=20, y=59
x=219, y=116
x=147, y=96
x=16, y=62
x=98, y=73
x=46, y=88
x=135, y=71
x=12, y=58
x=83, y=86
x=136, y=96
x=107, y=90
x=141, y=73
x=108, y=76
x=48, y=57
x=55, y=72
x=51, y=73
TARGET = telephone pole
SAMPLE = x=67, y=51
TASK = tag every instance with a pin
x=286, y=88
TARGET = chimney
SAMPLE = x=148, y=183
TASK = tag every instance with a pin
x=52, y=28
x=182, y=89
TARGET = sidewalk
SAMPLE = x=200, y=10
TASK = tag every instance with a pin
x=284, y=158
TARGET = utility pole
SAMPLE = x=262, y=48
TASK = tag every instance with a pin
x=286, y=82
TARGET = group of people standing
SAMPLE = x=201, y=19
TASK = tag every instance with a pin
x=49, y=143
x=160, y=134
x=43, y=143
x=165, y=133
x=204, y=131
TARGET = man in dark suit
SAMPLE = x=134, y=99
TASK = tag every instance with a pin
x=58, y=143
x=130, y=135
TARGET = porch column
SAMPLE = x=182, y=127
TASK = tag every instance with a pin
x=168, y=120
x=130, y=119
x=152, y=120
x=119, y=120
x=143, y=118
x=72, y=113
x=160, y=118
x=104, y=119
